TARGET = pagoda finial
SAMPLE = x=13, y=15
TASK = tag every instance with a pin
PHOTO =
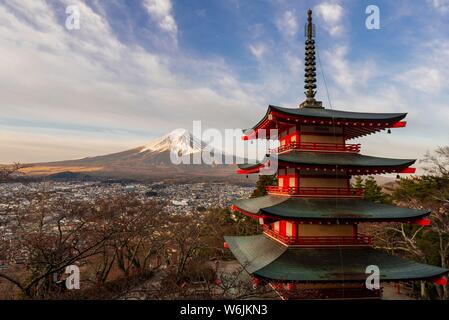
x=309, y=62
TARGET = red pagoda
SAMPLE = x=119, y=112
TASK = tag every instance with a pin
x=311, y=246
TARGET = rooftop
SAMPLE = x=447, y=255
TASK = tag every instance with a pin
x=356, y=124
x=266, y=258
x=327, y=208
x=333, y=160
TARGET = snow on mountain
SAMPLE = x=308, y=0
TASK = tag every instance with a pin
x=153, y=160
x=179, y=141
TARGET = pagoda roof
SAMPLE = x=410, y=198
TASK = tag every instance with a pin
x=358, y=123
x=335, y=160
x=267, y=258
x=326, y=209
x=338, y=114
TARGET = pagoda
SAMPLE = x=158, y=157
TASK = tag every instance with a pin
x=311, y=246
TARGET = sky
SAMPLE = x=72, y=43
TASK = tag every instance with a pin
x=136, y=70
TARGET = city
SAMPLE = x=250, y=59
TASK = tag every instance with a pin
x=177, y=199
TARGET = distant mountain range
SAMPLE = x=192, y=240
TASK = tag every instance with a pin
x=150, y=161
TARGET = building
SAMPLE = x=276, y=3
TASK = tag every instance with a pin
x=311, y=246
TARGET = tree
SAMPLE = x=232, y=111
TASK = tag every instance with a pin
x=7, y=173
x=262, y=183
x=373, y=191
x=139, y=237
x=47, y=237
x=359, y=182
x=427, y=192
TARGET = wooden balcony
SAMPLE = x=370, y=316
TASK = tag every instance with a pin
x=318, y=147
x=316, y=191
x=359, y=240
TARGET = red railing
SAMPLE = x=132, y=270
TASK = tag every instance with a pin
x=322, y=147
x=327, y=293
x=316, y=191
x=360, y=239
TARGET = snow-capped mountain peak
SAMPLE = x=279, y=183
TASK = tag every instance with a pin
x=180, y=141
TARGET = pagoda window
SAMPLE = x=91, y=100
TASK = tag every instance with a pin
x=276, y=226
x=292, y=182
x=281, y=181
x=288, y=136
x=290, y=229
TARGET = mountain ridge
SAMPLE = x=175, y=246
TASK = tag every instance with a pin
x=151, y=160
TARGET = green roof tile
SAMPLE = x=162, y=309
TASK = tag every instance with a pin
x=338, y=115
x=266, y=258
x=326, y=208
x=322, y=113
x=339, y=160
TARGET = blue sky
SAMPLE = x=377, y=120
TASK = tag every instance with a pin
x=138, y=69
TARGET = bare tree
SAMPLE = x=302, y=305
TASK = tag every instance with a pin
x=8, y=172
x=47, y=237
x=428, y=192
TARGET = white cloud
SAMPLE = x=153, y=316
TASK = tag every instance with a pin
x=73, y=80
x=428, y=80
x=99, y=95
x=331, y=13
x=161, y=12
x=340, y=70
x=349, y=75
x=440, y=5
x=293, y=62
x=429, y=72
x=287, y=24
x=258, y=50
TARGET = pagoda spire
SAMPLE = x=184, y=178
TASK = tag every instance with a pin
x=310, y=65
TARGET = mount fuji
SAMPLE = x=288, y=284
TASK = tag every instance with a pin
x=148, y=161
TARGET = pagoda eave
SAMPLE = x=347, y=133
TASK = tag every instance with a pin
x=323, y=265
x=323, y=169
x=325, y=210
x=355, y=124
x=348, y=163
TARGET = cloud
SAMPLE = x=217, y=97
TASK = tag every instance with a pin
x=428, y=80
x=429, y=72
x=161, y=12
x=287, y=24
x=331, y=13
x=349, y=75
x=293, y=62
x=70, y=94
x=440, y=5
x=341, y=72
x=257, y=50
x=87, y=78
